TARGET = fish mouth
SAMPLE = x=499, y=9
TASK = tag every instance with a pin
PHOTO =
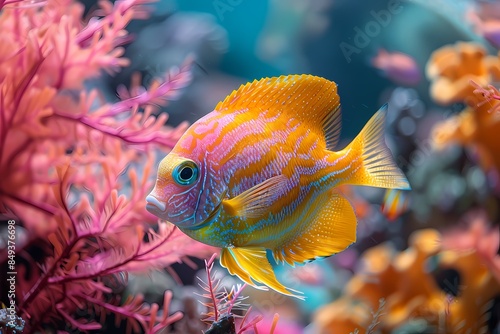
x=154, y=205
x=158, y=208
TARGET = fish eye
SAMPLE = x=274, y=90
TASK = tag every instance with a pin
x=185, y=173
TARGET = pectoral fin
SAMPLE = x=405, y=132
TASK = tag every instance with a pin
x=251, y=264
x=255, y=202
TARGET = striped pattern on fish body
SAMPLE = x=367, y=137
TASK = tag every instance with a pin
x=260, y=174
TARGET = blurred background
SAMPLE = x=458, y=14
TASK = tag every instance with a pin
x=237, y=41
x=425, y=260
x=420, y=264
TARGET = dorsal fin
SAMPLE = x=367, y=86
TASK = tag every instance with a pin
x=308, y=98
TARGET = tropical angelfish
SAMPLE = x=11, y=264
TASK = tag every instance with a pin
x=259, y=173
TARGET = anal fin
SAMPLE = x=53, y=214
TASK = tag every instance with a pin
x=332, y=228
x=251, y=264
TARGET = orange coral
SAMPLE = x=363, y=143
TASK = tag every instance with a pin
x=410, y=292
x=477, y=126
x=478, y=235
x=342, y=316
x=451, y=68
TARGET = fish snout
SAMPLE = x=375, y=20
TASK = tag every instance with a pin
x=154, y=205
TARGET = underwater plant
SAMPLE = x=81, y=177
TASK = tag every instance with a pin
x=431, y=287
x=488, y=96
x=451, y=68
x=221, y=303
x=75, y=168
x=465, y=73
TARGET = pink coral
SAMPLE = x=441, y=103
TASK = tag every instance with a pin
x=220, y=304
x=477, y=235
x=487, y=96
x=76, y=169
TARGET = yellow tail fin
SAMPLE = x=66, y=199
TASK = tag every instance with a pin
x=377, y=168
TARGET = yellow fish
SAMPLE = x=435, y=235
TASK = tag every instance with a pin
x=259, y=173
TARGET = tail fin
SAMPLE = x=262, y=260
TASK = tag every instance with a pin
x=377, y=168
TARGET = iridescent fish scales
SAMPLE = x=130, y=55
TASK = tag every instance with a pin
x=259, y=173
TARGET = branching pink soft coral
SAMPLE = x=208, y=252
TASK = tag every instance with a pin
x=75, y=169
x=220, y=303
x=44, y=61
x=477, y=236
x=487, y=95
